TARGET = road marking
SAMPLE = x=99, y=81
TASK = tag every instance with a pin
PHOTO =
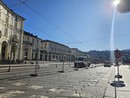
x=56, y=90
x=11, y=93
x=19, y=84
x=38, y=96
x=2, y=88
x=36, y=87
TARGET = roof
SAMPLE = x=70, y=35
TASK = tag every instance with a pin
x=11, y=11
x=54, y=42
x=30, y=34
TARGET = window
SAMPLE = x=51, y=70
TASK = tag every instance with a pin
x=0, y=34
x=33, y=40
x=7, y=19
x=16, y=18
x=0, y=13
x=28, y=39
x=15, y=25
x=37, y=42
x=6, y=31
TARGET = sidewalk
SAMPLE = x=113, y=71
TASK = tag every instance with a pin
x=122, y=89
x=46, y=63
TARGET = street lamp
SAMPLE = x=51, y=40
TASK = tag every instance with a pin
x=116, y=2
x=69, y=57
x=76, y=59
x=62, y=71
x=123, y=6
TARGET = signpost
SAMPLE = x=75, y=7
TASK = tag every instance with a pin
x=117, y=54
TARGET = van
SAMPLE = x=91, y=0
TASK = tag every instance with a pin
x=81, y=62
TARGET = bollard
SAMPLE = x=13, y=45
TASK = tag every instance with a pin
x=56, y=65
x=35, y=73
x=9, y=65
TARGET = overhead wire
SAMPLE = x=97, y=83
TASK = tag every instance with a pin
x=24, y=2
x=102, y=38
x=40, y=30
x=59, y=28
x=18, y=4
x=76, y=42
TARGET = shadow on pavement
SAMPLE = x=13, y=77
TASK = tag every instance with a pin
x=118, y=84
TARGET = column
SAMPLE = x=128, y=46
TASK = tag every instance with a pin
x=30, y=53
x=38, y=54
x=51, y=56
x=0, y=50
x=47, y=56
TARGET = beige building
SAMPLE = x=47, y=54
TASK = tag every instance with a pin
x=55, y=51
x=35, y=48
x=75, y=53
x=11, y=34
x=15, y=44
x=31, y=46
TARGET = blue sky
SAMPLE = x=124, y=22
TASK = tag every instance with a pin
x=82, y=24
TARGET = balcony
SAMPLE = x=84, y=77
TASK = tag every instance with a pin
x=28, y=43
x=15, y=39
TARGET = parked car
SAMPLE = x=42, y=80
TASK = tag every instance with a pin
x=107, y=64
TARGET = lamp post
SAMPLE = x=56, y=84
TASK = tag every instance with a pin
x=123, y=6
x=63, y=62
x=69, y=57
x=62, y=71
x=76, y=59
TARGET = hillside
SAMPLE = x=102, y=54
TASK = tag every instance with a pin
x=95, y=55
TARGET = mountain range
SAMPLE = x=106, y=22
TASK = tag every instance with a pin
x=95, y=55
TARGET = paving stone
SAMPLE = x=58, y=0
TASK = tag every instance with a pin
x=51, y=84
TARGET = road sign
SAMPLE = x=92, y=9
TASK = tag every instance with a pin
x=117, y=53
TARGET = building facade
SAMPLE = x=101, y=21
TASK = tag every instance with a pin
x=17, y=44
x=55, y=51
x=11, y=34
x=35, y=48
x=31, y=47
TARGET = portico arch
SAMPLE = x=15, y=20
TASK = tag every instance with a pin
x=4, y=50
x=13, y=51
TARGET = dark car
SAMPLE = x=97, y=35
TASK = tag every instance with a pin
x=107, y=64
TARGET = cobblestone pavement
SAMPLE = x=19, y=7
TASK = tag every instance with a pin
x=84, y=83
